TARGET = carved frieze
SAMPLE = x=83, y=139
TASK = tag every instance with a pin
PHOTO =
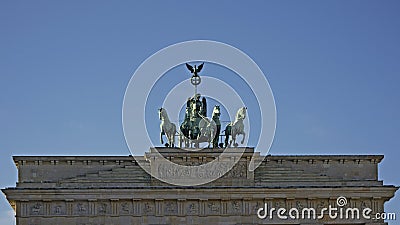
x=186, y=207
x=213, y=207
x=81, y=208
x=148, y=207
x=125, y=208
x=235, y=207
x=36, y=208
x=192, y=207
x=170, y=207
x=58, y=208
x=102, y=208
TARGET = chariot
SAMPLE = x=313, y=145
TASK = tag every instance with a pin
x=196, y=127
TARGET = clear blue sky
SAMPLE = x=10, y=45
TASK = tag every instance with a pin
x=333, y=67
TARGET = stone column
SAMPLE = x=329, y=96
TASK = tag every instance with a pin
x=47, y=207
x=224, y=206
x=114, y=207
x=181, y=207
x=70, y=205
x=246, y=206
x=23, y=210
x=202, y=207
x=92, y=207
x=159, y=207
x=136, y=207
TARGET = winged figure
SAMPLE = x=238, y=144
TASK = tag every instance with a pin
x=196, y=69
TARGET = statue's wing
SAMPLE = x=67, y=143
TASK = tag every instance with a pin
x=204, y=103
x=188, y=103
x=200, y=67
x=190, y=68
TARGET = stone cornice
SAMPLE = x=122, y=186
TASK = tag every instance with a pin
x=21, y=194
x=112, y=160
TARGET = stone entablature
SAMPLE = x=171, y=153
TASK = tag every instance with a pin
x=182, y=202
x=311, y=170
x=116, y=190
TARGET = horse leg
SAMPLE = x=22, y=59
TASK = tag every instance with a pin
x=172, y=139
x=244, y=135
x=169, y=140
x=181, y=140
x=161, y=139
x=226, y=139
x=216, y=137
x=211, y=139
x=186, y=142
x=174, y=135
x=234, y=138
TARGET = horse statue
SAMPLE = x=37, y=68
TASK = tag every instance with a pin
x=197, y=128
x=166, y=128
x=184, y=134
x=210, y=128
x=215, y=117
x=207, y=131
x=235, y=128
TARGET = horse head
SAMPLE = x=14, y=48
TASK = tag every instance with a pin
x=159, y=113
x=162, y=113
x=216, y=111
x=241, y=113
